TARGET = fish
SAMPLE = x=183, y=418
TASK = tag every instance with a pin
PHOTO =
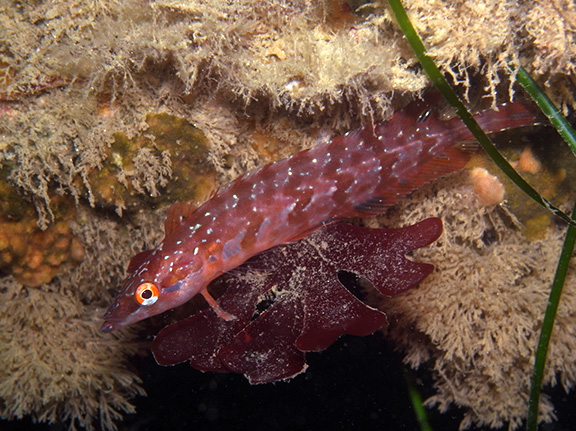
x=357, y=174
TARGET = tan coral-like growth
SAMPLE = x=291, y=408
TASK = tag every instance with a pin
x=488, y=187
x=554, y=36
x=57, y=365
x=476, y=319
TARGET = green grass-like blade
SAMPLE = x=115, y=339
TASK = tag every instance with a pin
x=416, y=399
x=444, y=87
x=546, y=106
x=569, y=135
x=548, y=325
x=567, y=132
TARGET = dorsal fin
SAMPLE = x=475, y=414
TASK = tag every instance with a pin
x=138, y=260
x=175, y=216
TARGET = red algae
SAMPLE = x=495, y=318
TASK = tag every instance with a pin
x=289, y=300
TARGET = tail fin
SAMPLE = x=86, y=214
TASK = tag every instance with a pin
x=507, y=116
x=417, y=147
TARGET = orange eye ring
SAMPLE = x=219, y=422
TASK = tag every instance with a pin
x=146, y=294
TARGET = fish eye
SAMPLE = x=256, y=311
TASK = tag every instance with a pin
x=146, y=293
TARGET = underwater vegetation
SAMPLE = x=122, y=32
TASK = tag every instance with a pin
x=295, y=302
x=494, y=305
x=112, y=110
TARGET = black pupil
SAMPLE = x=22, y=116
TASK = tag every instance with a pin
x=147, y=294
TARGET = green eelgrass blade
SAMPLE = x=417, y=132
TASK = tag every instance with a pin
x=444, y=87
x=546, y=106
x=569, y=135
x=416, y=399
x=548, y=325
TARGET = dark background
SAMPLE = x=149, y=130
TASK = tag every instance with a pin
x=358, y=383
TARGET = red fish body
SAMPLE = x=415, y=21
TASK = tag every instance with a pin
x=357, y=174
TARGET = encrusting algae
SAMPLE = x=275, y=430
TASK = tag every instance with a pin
x=34, y=256
x=136, y=171
x=111, y=110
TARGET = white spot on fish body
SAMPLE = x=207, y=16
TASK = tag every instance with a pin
x=263, y=226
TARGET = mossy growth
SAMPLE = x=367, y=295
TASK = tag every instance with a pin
x=57, y=367
x=165, y=163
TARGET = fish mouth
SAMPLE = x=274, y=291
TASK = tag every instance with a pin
x=121, y=313
x=112, y=320
x=108, y=326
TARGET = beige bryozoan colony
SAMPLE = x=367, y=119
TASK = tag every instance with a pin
x=476, y=319
x=78, y=80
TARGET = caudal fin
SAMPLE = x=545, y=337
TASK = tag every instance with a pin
x=507, y=116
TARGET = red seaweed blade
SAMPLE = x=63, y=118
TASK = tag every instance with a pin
x=306, y=307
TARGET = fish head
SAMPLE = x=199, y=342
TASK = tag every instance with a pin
x=154, y=286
